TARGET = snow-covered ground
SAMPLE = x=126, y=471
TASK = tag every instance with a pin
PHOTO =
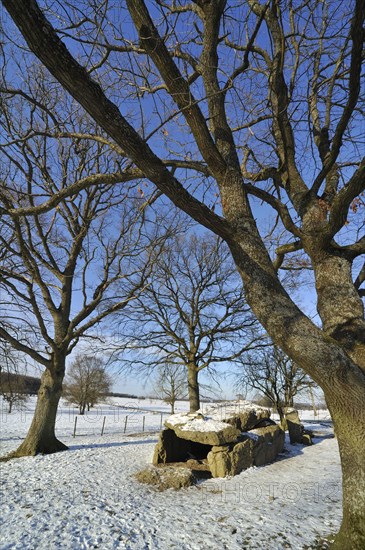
x=87, y=497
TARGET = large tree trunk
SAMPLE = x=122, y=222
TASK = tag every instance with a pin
x=193, y=388
x=41, y=438
x=342, y=313
x=349, y=421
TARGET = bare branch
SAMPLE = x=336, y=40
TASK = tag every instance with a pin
x=283, y=250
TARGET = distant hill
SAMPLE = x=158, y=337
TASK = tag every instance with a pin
x=31, y=384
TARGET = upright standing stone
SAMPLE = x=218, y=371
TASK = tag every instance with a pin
x=297, y=434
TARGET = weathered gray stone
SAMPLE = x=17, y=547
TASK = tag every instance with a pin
x=295, y=427
x=227, y=435
x=268, y=443
x=219, y=448
x=231, y=459
x=167, y=477
x=169, y=448
x=297, y=433
x=219, y=463
x=247, y=420
x=241, y=456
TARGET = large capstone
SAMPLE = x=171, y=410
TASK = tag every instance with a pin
x=243, y=415
x=202, y=429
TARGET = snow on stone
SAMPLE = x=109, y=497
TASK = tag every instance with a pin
x=212, y=420
x=195, y=423
x=228, y=409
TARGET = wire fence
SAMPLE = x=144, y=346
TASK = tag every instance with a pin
x=126, y=424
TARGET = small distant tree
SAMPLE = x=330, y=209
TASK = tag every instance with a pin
x=87, y=382
x=12, y=385
x=12, y=389
x=276, y=377
x=171, y=384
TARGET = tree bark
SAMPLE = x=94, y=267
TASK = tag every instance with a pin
x=348, y=413
x=173, y=397
x=281, y=413
x=193, y=388
x=41, y=438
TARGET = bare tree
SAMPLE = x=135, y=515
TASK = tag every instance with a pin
x=12, y=386
x=263, y=102
x=87, y=382
x=12, y=389
x=275, y=376
x=192, y=314
x=64, y=271
x=171, y=384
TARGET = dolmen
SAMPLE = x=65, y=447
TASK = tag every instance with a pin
x=227, y=439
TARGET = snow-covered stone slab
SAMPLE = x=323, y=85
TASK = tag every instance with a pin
x=241, y=414
x=202, y=429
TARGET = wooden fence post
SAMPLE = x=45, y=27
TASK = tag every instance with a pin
x=74, y=434
x=102, y=429
x=125, y=423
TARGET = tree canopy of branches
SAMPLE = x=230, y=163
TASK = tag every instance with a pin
x=87, y=382
x=63, y=271
x=275, y=376
x=260, y=102
x=192, y=314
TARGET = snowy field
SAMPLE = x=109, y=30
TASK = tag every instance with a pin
x=88, y=498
